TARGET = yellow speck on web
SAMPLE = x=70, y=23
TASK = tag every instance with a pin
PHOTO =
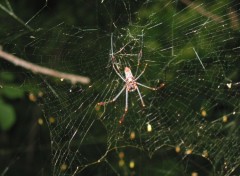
x=194, y=174
x=63, y=167
x=132, y=135
x=205, y=153
x=121, y=163
x=132, y=164
x=121, y=155
x=189, y=151
x=204, y=113
x=40, y=121
x=51, y=120
x=225, y=118
x=40, y=94
x=177, y=149
x=149, y=127
x=32, y=97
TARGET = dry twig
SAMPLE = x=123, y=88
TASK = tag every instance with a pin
x=202, y=11
x=43, y=70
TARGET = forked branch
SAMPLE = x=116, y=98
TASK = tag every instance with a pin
x=43, y=70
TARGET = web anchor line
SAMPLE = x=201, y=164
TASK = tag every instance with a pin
x=199, y=59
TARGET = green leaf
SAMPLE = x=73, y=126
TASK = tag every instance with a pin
x=7, y=116
x=7, y=76
x=12, y=92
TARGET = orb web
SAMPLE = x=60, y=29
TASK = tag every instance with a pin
x=192, y=56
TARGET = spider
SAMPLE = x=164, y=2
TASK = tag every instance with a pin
x=131, y=83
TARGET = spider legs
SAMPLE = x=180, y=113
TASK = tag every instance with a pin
x=126, y=108
x=139, y=93
x=114, y=60
x=126, y=104
x=114, y=99
x=113, y=64
x=141, y=73
x=139, y=58
x=151, y=88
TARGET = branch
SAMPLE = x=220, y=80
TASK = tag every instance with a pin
x=43, y=70
x=202, y=11
x=11, y=13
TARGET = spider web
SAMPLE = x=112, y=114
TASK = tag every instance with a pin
x=189, y=125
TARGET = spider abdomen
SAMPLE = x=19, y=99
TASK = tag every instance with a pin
x=131, y=85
